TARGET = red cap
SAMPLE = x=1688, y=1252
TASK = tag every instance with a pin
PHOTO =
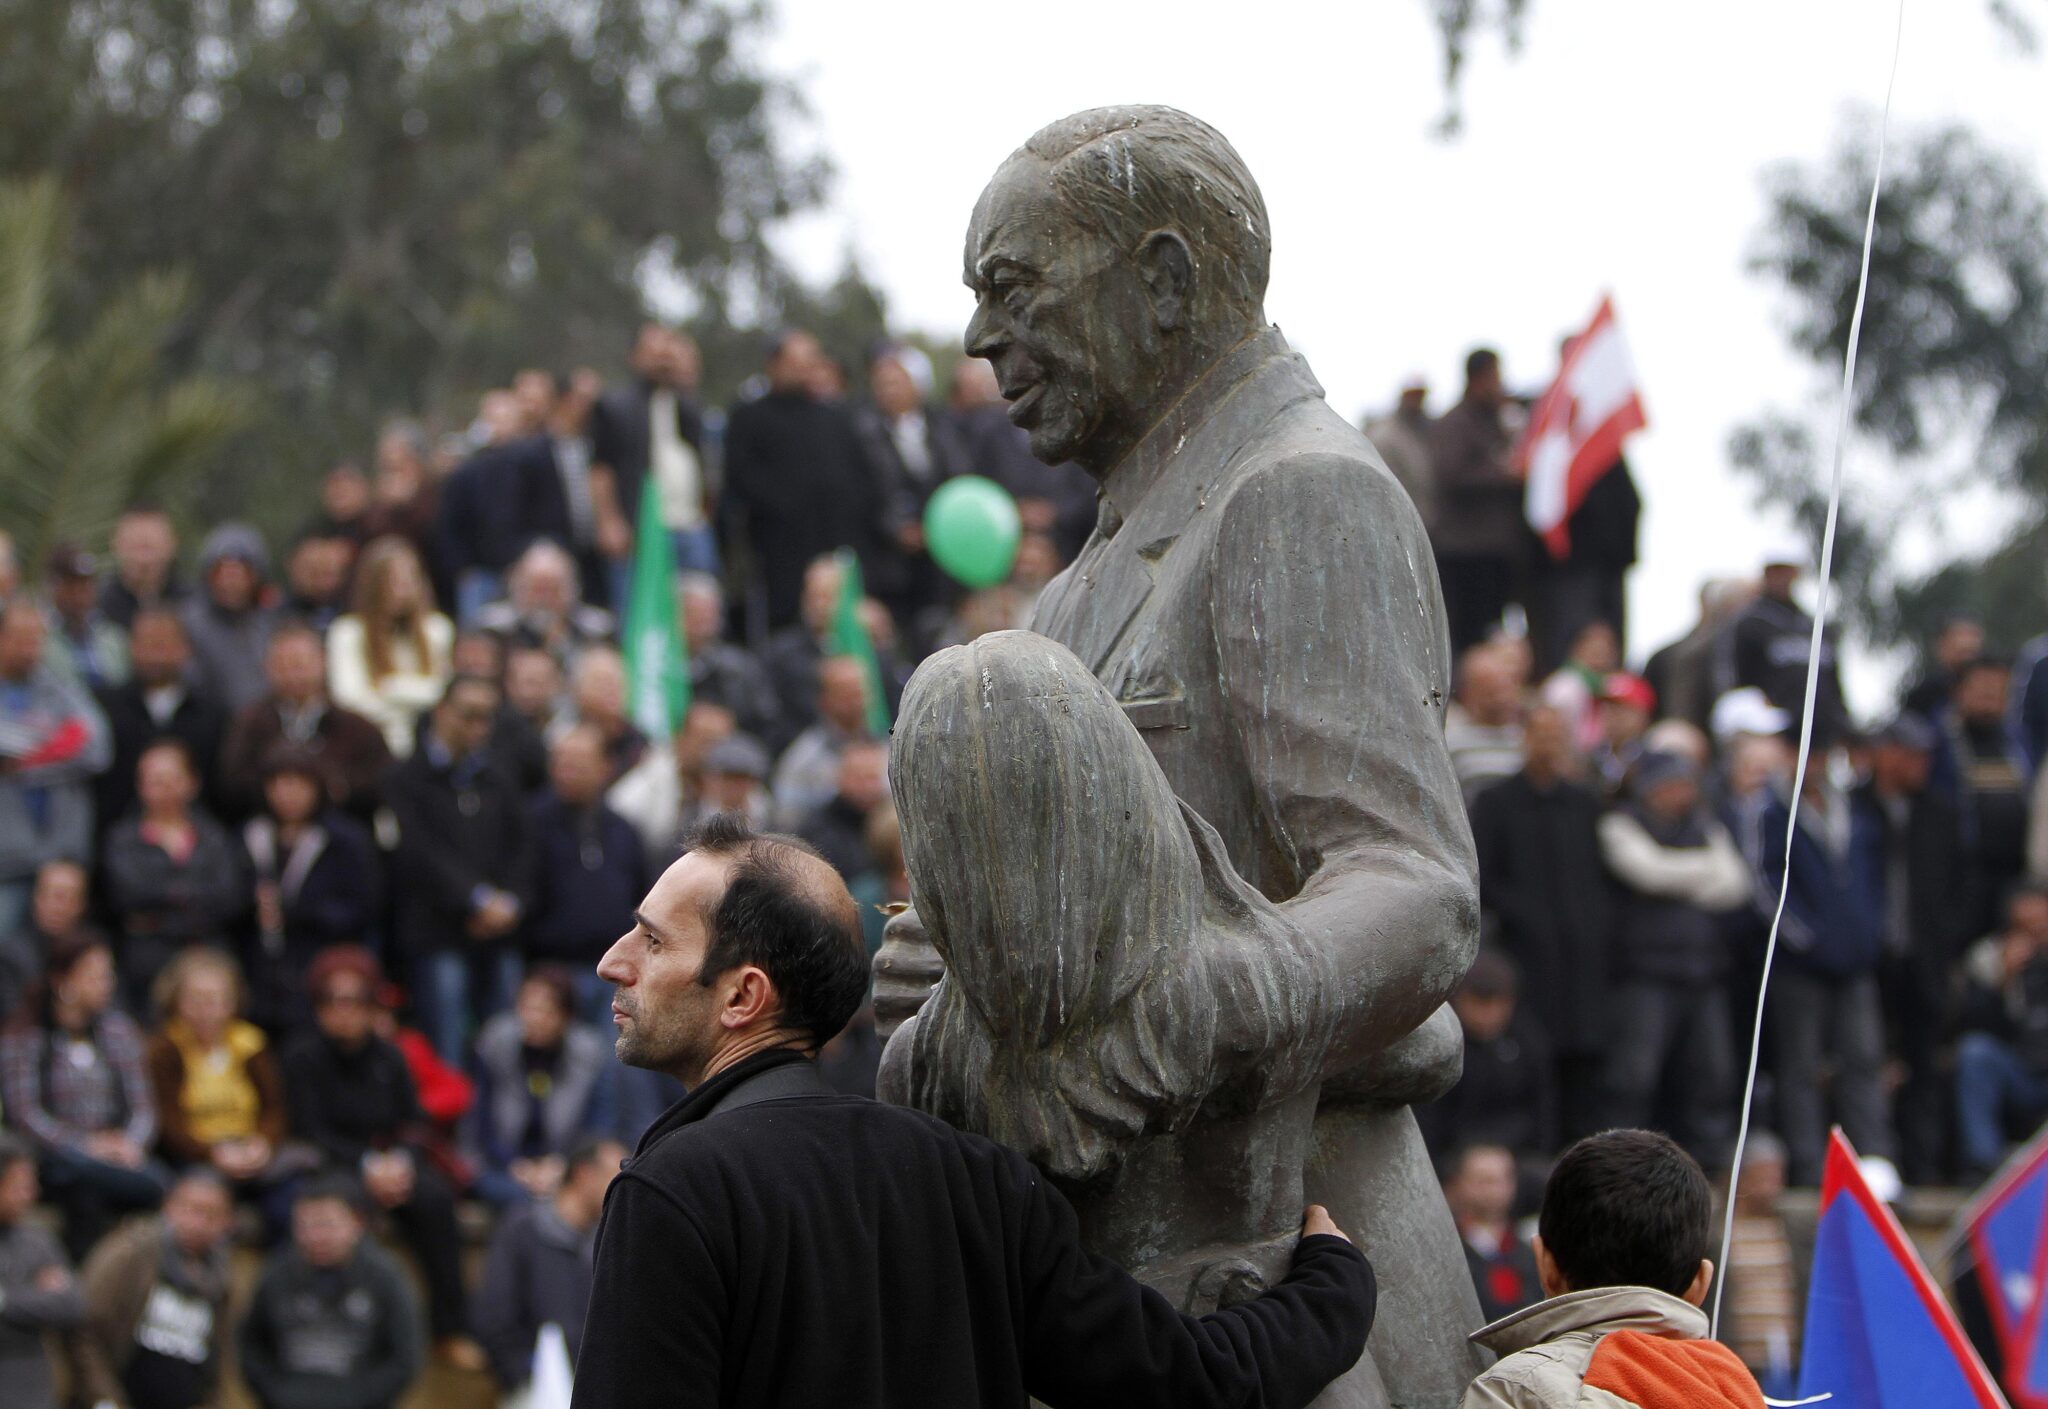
x=1624, y=688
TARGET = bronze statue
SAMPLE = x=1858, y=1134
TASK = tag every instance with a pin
x=1260, y=601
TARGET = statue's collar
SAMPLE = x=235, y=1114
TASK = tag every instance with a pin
x=1131, y=478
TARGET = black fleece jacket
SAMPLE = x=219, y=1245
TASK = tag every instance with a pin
x=815, y=1248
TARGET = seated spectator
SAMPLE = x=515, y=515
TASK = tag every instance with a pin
x=544, y=608
x=535, y=689
x=1683, y=738
x=156, y=1295
x=317, y=884
x=228, y=618
x=1676, y=873
x=1622, y=1245
x=793, y=654
x=172, y=874
x=349, y=749
x=521, y=751
x=1479, y=1185
x=589, y=870
x=543, y=1085
x=735, y=777
x=1483, y=726
x=446, y=1093
x=720, y=672
x=663, y=789
x=1507, y=1095
x=597, y=691
x=52, y=741
x=56, y=910
x=72, y=1077
x=351, y=1095
x=333, y=1320
x=389, y=659
x=2002, y=1060
x=839, y=828
x=37, y=1290
x=160, y=698
x=1627, y=705
x=537, y=1272
x=219, y=1096
x=1573, y=689
x=1762, y=1302
x=461, y=868
x=316, y=580
x=82, y=637
x=807, y=774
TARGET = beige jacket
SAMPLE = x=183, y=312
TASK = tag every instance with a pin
x=1609, y=1348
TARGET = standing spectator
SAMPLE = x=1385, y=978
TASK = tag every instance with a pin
x=720, y=672
x=1402, y=437
x=56, y=911
x=388, y=660
x=1627, y=705
x=83, y=637
x=316, y=581
x=535, y=689
x=655, y=426
x=162, y=697
x=173, y=876
x=349, y=750
x=838, y=829
x=1981, y=769
x=219, y=1096
x=1824, y=1006
x=156, y=1295
x=52, y=740
x=344, y=503
x=1483, y=726
x=1682, y=673
x=1479, y=532
x=537, y=1272
x=589, y=869
x=1573, y=689
x=1766, y=647
x=796, y=481
x=72, y=1078
x=912, y=453
x=565, y=496
x=37, y=1291
x=1479, y=1185
x=545, y=608
x=1676, y=872
x=351, y=1095
x=317, y=883
x=228, y=620
x=2002, y=1062
x=544, y=1084
x=460, y=872
x=1590, y=583
x=403, y=499
x=145, y=549
x=1506, y=1096
x=481, y=524
x=1958, y=641
x=808, y=773
x=332, y=1323
x=1543, y=886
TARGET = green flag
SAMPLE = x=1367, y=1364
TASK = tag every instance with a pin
x=850, y=638
x=657, y=661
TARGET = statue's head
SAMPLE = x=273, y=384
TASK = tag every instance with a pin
x=1113, y=258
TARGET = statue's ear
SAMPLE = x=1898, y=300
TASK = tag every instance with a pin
x=1167, y=267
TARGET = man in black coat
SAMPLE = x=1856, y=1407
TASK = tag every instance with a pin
x=162, y=697
x=460, y=873
x=1542, y=885
x=913, y=452
x=654, y=425
x=774, y=1243
x=589, y=866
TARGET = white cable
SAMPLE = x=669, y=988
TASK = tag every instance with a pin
x=1820, y=618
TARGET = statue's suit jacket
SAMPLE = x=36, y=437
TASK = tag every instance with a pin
x=1260, y=597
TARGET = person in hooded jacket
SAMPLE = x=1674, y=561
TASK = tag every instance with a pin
x=229, y=620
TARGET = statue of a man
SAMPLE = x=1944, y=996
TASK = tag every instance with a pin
x=1259, y=597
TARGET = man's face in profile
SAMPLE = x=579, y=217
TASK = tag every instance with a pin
x=1058, y=314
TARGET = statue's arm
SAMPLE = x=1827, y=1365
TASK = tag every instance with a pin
x=1329, y=629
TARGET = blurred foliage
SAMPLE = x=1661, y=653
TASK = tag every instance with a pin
x=1954, y=357
x=384, y=206
x=86, y=421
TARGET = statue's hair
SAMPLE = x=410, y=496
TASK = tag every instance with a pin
x=1125, y=172
x=1088, y=999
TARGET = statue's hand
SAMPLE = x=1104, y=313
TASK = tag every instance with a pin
x=906, y=968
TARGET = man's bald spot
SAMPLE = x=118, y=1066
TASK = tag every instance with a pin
x=813, y=878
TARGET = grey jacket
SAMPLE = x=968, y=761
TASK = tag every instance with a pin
x=348, y=1338
x=570, y=1107
x=27, y=1311
x=1546, y=1350
x=59, y=792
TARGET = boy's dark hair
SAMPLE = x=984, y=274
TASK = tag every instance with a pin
x=334, y=1185
x=1627, y=1208
x=772, y=917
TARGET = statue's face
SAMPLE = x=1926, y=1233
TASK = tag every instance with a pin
x=1061, y=317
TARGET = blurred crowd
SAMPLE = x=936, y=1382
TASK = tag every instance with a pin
x=309, y=847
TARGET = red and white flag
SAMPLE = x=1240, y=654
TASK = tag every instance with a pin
x=1576, y=429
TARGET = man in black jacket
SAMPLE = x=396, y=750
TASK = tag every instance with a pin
x=460, y=872
x=161, y=697
x=741, y=1259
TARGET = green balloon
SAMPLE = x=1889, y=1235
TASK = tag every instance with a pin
x=971, y=528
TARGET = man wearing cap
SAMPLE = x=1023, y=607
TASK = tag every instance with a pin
x=735, y=780
x=1676, y=871
x=1768, y=644
x=82, y=637
x=1627, y=705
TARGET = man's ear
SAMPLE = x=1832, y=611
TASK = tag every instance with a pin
x=1702, y=1282
x=1547, y=1275
x=750, y=999
x=1167, y=268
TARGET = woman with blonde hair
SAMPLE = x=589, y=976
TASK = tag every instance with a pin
x=219, y=1094
x=389, y=658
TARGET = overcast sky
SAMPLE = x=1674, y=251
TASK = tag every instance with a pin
x=1620, y=151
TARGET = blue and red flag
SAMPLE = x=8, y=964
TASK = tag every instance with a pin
x=1879, y=1334
x=2005, y=1231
